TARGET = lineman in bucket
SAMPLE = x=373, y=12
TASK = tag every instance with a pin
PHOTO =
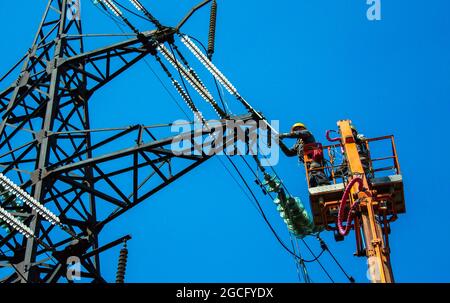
x=305, y=138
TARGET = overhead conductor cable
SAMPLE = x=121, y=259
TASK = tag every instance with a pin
x=204, y=93
x=137, y=5
x=209, y=65
x=187, y=100
x=116, y=11
x=201, y=90
x=150, y=17
x=217, y=74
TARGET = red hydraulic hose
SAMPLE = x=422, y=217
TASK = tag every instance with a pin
x=331, y=139
x=345, y=230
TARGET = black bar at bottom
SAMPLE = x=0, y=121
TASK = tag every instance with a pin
x=221, y=292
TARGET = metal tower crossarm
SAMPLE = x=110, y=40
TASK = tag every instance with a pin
x=47, y=147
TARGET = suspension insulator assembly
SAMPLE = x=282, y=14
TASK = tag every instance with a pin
x=122, y=266
x=291, y=209
x=188, y=100
x=212, y=29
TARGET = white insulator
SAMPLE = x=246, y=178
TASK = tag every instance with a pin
x=137, y=5
x=198, y=86
x=195, y=75
x=192, y=81
x=29, y=200
x=116, y=11
x=15, y=224
x=187, y=100
x=209, y=65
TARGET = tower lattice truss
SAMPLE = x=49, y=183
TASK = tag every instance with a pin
x=49, y=150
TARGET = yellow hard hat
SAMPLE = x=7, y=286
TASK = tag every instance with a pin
x=297, y=125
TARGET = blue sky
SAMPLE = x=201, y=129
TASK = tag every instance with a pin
x=311, y=61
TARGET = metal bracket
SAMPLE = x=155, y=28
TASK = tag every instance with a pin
x=376, y=242
x=38, y=175
x=54, y=64
x=23, y=79
x=41, y=135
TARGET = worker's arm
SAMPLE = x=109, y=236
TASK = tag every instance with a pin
x=289, y=136
x=290, y=152
x=361, y=144
x=299, y=134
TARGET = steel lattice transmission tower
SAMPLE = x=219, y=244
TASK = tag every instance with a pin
x=47, y=147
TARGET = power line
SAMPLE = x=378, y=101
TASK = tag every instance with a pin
x=130, y=11
x=166, y=89
x=238, y=184
x=293, y=253
x=304, y=265
x=107, y=13
x=149, y=66
x=295, y=260
x=179, y=73
x=176, y=102
x=222, y=101
x=318, y=261
x=248, y=187
x=297, y=265
x=326, y=248
x=316, y=258
x=262, y=211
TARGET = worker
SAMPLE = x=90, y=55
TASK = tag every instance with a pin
x=363, y=152
x=304, y=137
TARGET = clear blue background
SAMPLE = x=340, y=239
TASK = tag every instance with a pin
x=312, y=61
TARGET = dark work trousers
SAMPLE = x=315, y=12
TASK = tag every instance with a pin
x=317, y=177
